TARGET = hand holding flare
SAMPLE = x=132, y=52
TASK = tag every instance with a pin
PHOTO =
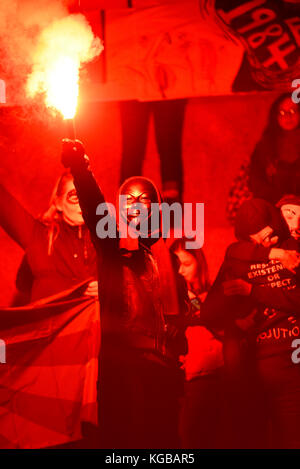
x=73, y=154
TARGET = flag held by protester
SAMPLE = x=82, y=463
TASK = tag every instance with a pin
x=49, y=378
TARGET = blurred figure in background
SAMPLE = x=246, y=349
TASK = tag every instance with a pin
x=203, y=364
x=275, y=163
x=274, y=166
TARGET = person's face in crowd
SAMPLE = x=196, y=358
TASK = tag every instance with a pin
x=68, y=204
x=136, y=194
x=291, y=214
x=188, y=265
x=288, y=115
x=265, y=237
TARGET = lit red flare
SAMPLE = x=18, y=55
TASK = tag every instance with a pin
x=62, y=49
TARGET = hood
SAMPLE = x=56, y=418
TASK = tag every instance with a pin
x=155, y=218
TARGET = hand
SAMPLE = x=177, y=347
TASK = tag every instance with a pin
x=274, y=240
x=237, y=287
x=72, y=153
x=289, y=259
x=92, y=289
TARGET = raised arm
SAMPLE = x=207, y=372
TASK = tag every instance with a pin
x=89, y=193
x=15, y=219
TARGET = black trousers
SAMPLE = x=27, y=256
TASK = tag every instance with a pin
x=264, y=398
x=168, y=123
x=202, y=422
x=280, y=384
x=245, y=399
x=139, y=402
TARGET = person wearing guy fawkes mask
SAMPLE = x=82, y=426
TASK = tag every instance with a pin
x=58, y=250
x=290, y=210
x=269, y=329
x=142, y=330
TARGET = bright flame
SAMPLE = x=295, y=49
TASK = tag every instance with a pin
x=62, y=88
x=63, y=47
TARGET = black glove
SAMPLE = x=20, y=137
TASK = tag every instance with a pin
x=73, y=154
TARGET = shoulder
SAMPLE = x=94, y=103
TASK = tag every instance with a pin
x=234, y=248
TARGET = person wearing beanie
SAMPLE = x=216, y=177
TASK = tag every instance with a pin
x=258, y=263
x=256, y=214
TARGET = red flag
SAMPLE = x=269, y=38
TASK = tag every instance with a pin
x=48, y=383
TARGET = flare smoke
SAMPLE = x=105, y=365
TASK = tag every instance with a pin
x=37, y=38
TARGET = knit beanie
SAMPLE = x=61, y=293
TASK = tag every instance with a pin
x=288, y=199
x=256, y=214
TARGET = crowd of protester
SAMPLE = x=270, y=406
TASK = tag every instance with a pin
x=184, y=362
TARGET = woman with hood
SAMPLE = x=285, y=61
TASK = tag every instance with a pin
x=141, y=314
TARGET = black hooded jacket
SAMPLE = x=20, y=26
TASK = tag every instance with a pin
x=132, y=307
x=275, y=296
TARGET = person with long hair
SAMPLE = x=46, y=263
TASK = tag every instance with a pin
x=194, y=271
x=203, y=364
x=58, y=250
x=275, y=163
x=142, y=306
